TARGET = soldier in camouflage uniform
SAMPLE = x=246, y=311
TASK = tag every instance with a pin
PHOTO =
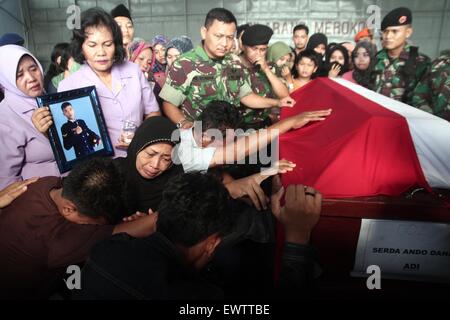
x=433, y=94
x=400, y=66
x=210, y=72
x=198, y=80
x=259, y=74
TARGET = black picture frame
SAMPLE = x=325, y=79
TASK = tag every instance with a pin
x=93, y=140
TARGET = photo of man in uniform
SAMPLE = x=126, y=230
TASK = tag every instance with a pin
x=76, y=133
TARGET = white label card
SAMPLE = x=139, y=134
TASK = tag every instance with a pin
x=405, y=250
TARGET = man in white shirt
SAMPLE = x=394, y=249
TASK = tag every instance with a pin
x=212, y=141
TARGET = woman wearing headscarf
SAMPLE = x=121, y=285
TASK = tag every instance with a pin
x=124, y=93
x=141, y=53
x=176, y=47
x=148, y=165
x=364, y=60
x=337, y=61
x=318, y=42
x=282, y=56
x=25, y=152
x=159, y=44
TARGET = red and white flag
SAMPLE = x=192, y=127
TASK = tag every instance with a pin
x=369, y=145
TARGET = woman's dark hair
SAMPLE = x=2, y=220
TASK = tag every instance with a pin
x=310, y=54
x=337, y=47
x=365, y=78
x=54, y=69
x=96, y=17
x=65, y=57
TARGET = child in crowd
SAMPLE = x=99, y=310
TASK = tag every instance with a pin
x=305, y=66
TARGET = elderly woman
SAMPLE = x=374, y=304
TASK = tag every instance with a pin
x=148, y=165
x=25, y=152
x=123, y=91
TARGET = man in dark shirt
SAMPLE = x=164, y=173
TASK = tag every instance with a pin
x=55, y=223
x=194, y=215
x=76, y=133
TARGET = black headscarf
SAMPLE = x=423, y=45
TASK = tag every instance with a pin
x=144, y=193
x=330, y=50
x=365, y=78
x=313, y=42
x=316, y=39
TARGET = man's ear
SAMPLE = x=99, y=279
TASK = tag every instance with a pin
x=211, y=244
x=203, y=32
x=409, y=31
x=69, y=209
x=315, y=69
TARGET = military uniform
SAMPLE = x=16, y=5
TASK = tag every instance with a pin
x=433, y=93
x=393, y=81
x=195, y=80
x=256, y=35
x=261, y=86
x=83, y=143
x=397, y=78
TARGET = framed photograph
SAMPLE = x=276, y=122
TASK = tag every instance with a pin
x=79, y=130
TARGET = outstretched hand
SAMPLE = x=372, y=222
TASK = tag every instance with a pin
x=251, y=186
x=304, y=118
